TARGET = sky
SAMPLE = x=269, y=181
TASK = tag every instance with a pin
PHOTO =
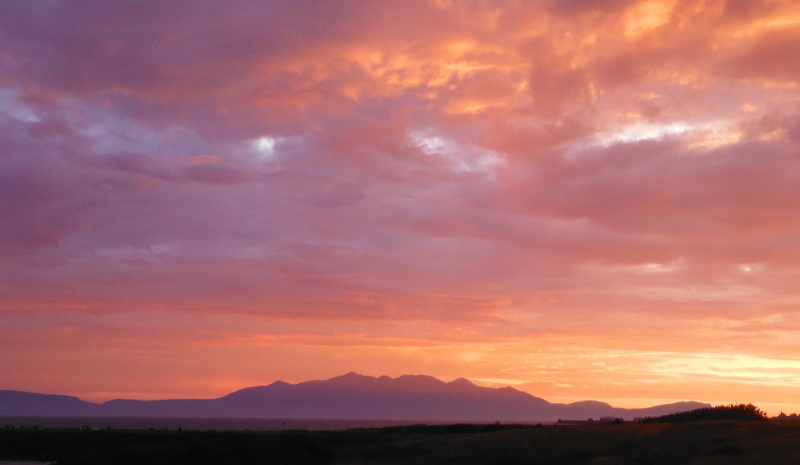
x=583, y=199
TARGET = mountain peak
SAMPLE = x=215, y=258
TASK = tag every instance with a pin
x=352, y=375
x=418, y=378
x=461, y=382
x=348, y=379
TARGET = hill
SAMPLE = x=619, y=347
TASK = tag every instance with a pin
x=351, y=396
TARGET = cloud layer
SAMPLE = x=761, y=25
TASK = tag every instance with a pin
x=585, y=196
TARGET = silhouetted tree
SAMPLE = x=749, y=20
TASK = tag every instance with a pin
x=738, y=412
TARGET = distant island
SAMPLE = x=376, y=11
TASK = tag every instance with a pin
x=350, y=396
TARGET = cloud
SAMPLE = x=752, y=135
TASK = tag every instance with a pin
x=491, y=169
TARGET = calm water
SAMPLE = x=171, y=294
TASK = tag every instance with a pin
x=17, y=462
x=253, y=424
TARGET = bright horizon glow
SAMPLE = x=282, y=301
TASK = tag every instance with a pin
x=585, y=200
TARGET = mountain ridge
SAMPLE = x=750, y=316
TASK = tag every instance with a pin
x=349, y=396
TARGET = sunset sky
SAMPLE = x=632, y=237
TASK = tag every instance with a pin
x=584, y=199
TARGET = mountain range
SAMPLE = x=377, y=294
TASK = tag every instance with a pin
x=350, y=396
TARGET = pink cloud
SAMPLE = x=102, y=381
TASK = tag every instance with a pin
x=481, y=171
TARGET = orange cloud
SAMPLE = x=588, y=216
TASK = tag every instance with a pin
x=576, y=196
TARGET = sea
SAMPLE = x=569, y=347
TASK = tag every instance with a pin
x=218, y=424
x=18, y=462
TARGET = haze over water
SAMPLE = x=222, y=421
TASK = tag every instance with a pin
x=218, y=424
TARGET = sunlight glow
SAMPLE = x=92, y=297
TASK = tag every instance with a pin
x=265, y=145
x=642, y=131
x=647, y=16
x=738, y=366
x=461, y=157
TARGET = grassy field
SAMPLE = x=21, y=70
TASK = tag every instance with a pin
x=721, y=442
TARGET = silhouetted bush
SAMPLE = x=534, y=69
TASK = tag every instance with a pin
x=737, y=412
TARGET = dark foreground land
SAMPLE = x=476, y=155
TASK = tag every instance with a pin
x=721, y=442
